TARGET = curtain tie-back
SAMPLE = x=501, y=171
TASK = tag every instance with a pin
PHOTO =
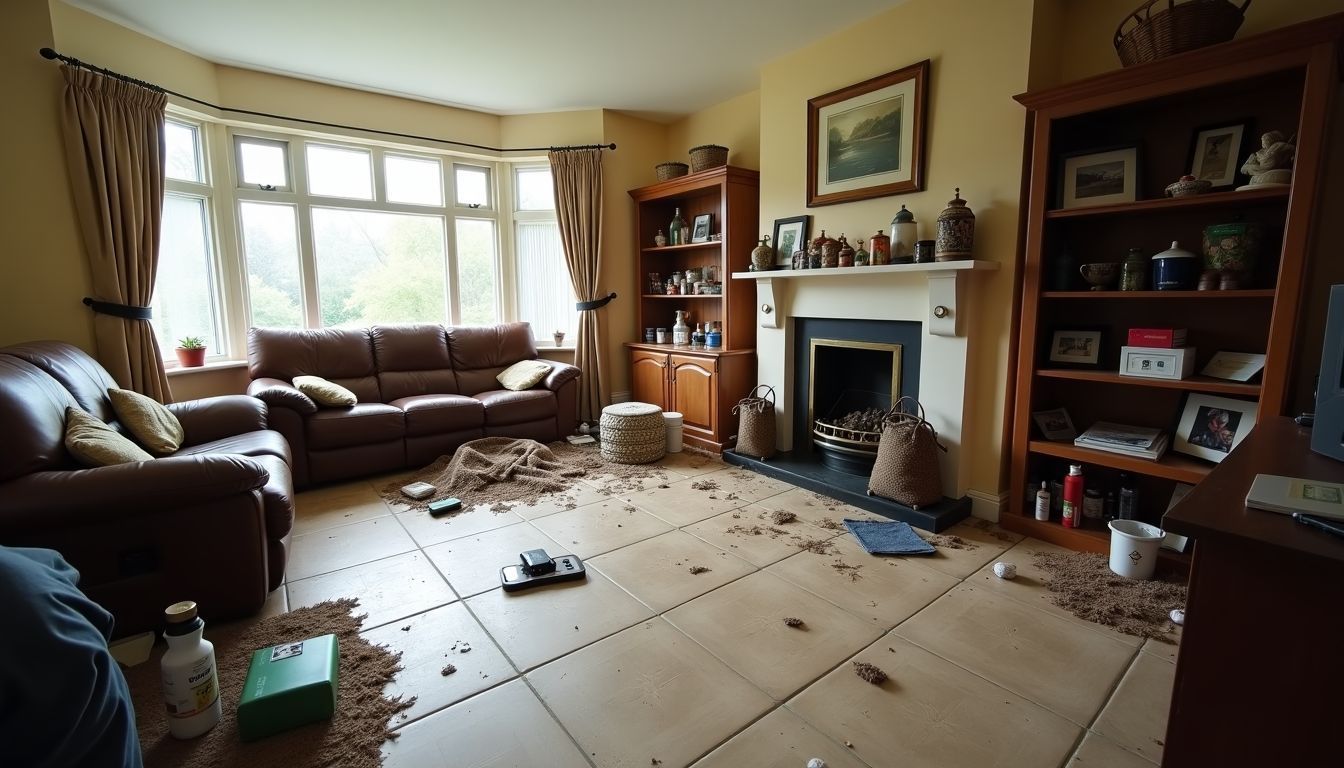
x=124, y=311
x=584, y=306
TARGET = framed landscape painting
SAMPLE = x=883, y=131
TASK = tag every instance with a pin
x=867, y=140
x=1099, y=178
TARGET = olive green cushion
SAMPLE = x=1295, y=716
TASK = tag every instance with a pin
x=94, y=444
x=153, y=426
x=324, y=392
x=523, y=374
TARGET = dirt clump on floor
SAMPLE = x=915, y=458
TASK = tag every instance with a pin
x=816, y=546
x=782, y=517
x=1083, y=584
x=792, y=621
x=754, y=530
x=829, y=524
x=951, y=542
x=447, y=670
x=869, y=672
x=990, y=529
x=696, y=570
x=705, y=485
x=852, y=571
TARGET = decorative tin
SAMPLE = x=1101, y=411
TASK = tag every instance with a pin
x=904, y=235
x=1232, y=250
x=844, y=256
x=924, y=251
x=823, y=253
x=763, y=256
x=800, y=258
x=1175, y=269
x=956, y=231
x=879, y=248
x=860, y=255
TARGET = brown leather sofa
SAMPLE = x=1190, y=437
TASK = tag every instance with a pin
x=211, y=523
x=423, y=390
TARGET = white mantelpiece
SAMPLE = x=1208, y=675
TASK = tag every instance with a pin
x=933, y=294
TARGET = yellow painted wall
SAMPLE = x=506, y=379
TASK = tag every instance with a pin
x=735, y=124
x=45, y=273
x=974, y=141
x=1086, y=44
x=551, y=129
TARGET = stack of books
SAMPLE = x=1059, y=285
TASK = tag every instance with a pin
x=1139, y=442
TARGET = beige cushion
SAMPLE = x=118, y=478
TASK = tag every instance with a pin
x=94, y=444
x=152, y=425
x=323, y=392
x=523, y=374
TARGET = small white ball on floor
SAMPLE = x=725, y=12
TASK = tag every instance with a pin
x=816, y=762
x=1177, y=616
x=1005, y=570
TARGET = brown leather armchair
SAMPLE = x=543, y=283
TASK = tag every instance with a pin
x=210, y=523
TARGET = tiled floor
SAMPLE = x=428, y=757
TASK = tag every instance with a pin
x=646, y=663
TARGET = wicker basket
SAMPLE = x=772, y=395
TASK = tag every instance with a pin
x=633, y=433
x=668, y=171
x=708, y=156
x=1181, y=27
x=756, y=423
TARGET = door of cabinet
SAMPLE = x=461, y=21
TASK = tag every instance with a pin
x=649, y=377
x=693, y=391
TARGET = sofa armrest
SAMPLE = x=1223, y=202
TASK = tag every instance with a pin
x=45, y=500
x=212, y=418
x=560, y=374
x=281, y=394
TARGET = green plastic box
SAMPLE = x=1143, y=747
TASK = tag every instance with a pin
x=289, y=685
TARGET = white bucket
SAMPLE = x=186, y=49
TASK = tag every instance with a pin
x=1134, y=548
x=673, y=421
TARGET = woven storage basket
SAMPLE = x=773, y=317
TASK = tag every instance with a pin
x=708, y=156
x=1181, y=27
x=633, y=433
x=756, y=423
x=669, y=171
x=907, y=459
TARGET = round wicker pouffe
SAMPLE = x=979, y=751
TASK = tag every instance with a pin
x=633, y=433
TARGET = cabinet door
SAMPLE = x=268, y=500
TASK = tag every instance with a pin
x=693, y=391
x=648, y=377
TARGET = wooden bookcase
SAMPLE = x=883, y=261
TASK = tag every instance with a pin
x=701, y=384
x=1282, y=80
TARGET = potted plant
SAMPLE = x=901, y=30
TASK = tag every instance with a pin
x=190, y=352
x=559, y=337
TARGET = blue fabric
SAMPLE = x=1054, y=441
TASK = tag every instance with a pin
x=63, y=700
x=888, y=537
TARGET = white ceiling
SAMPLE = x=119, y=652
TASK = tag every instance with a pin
x=658, y=59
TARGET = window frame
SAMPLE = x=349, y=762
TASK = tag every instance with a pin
x=519, y=216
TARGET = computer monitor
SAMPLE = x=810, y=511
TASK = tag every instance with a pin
x=1327, y=434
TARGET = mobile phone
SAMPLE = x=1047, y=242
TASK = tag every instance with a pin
x=444, y=506
x=418, y=491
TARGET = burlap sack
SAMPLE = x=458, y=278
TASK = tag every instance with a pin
x=906, y=470
x=756, y=423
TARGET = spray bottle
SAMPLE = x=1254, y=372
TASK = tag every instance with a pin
x=1073, y=497
x=1043, y=503
x=190, y=681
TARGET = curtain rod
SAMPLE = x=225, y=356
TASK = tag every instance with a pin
x=50, y=54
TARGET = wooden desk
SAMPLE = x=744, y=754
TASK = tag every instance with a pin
x=1260, y=674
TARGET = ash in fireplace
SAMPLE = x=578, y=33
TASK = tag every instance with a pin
x=867, y=420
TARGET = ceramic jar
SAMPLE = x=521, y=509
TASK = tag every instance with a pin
x=681, y=332
x=879, y=249
x=1232, y=250
x=860, y=255
x=844, y=256
x=1134, y=271
x=800, y=258
x=904, y=235
x=1188, y=186
x=1175, y=269
x=956, y=231
x=924, y=251
x=824, y=252
x=763, y=256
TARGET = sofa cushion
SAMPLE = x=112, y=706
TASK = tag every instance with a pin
x=480, y=353
x=412, y=360
x=152, y=425
x=32, y=420
x=523, y=374
x=324, y=392
x=80, y=375
x=262, y=442
x=363, y=424
x=434, y=414
x=341, y=355
x=94, y=444
x=504, y=407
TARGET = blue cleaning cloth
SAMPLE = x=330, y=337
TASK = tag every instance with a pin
x=888, y=538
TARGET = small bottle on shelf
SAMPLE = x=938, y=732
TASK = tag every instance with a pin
x=674, y=229
x=698, y=337
x=1043, y=503
x=1129, y=498
x=1073, y=497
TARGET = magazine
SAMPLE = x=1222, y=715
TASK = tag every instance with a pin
x=1120, y=435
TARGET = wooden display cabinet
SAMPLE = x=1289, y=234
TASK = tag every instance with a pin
x=1282, y=80
x=701, y=384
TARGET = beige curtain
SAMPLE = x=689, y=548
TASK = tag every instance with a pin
x=577, y=176
x=114, y=152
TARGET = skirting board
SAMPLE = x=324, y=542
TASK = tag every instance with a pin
x=987, y=506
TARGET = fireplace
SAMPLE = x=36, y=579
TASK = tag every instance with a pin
x=851, y=385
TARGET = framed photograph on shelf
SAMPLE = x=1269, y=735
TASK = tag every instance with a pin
x=1216, y=152
x=1055, y=424
x=1211, y=426
x=790, y=235
x=700, y=229
x=1076, y=347
x=1234, y=366
x=1099, y=177
x=867, y=140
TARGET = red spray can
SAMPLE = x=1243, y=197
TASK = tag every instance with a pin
x=1073, y=496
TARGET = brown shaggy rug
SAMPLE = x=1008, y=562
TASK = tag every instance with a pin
x=352, y=738
x=1084, y=585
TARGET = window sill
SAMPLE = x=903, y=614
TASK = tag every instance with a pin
x=214, y=365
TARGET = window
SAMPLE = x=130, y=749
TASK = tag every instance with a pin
x=413, y=180
x=271, y=250
x=263, y=164
x=377, y=267
x=186, y=300
x=473, y=186
x=339, y=172
x=545, y=294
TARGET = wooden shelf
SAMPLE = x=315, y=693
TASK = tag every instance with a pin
x=1211, y=200
x=871, y=269
x=686, y=247
x=1192, y=384
x=682, y=296
x=1172, y=466
x=1256, y=293
x=1086, y=540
